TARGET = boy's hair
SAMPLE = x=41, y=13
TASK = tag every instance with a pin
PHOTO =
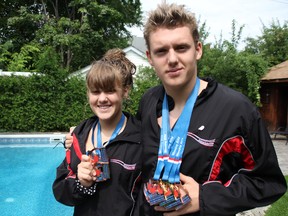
x=111, y=71
x=170, y=16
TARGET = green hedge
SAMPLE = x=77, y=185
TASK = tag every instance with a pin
x=41, y=103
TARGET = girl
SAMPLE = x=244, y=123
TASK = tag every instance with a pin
x=101, y=169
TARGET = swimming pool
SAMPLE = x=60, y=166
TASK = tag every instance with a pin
x=28, y=169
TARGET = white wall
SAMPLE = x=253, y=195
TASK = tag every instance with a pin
x=8, y=73
x=137, y=59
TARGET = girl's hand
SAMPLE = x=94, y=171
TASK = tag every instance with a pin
x=86, y=173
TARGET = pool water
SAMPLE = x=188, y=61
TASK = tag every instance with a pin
x=27, y=175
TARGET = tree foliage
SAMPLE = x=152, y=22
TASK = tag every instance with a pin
x=78, y=30
x=243, y=69
x=272, y=45
x=52, y=38
x=144, y=79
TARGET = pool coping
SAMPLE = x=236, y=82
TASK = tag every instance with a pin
x=32, y=134
x=54, y=138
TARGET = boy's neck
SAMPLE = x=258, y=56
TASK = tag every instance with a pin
x=180, y=96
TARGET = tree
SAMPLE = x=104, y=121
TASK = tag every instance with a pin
x=239, y=70
x=272, y=45
x=10, y=9
x=79, y=30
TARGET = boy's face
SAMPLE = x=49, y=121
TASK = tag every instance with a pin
x=174, y=56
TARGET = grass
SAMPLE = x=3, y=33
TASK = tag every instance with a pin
x=280, y=207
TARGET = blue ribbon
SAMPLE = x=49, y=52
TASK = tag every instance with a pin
x=114, y=134
x=172, y=143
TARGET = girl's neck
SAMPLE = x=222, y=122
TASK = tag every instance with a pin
x=108, y=126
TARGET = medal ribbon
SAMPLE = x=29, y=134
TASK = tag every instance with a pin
x=114, y=134
x=172, y=143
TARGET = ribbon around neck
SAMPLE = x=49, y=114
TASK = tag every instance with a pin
x=114, y=134
x=172, y=143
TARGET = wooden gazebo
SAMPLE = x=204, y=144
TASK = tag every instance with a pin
x=274, y=97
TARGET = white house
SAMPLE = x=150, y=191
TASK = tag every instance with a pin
x=136, y=53
x=8, y=73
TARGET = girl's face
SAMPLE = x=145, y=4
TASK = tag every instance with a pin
x=107, y=106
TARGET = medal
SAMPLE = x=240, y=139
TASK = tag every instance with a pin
x=98, y=155
x=165, y=194
x=153, y=194
x=100, y=163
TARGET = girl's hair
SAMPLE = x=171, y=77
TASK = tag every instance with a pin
x=170, y=16
x=111, y=71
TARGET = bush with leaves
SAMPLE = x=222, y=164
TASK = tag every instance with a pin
x=144, y=79
x=41, y=103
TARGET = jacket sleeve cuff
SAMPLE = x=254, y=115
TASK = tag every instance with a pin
x=86, y=190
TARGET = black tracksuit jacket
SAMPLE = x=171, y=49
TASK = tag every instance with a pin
x=228, y=151
x=117, y=195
